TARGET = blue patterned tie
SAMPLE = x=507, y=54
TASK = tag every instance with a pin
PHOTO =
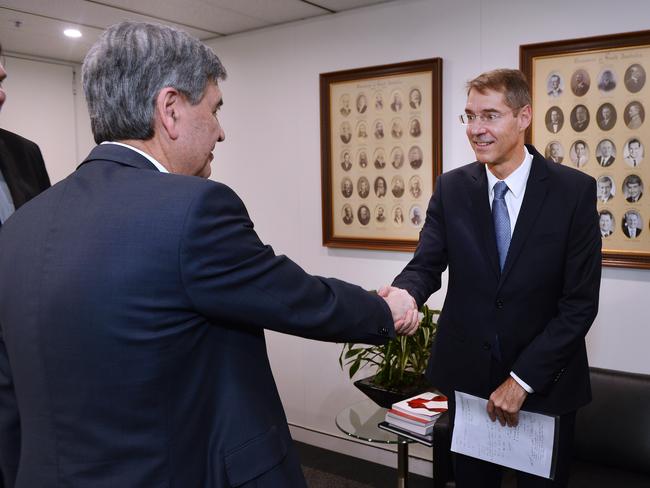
x=501, y=221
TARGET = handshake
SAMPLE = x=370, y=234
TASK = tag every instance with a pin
x=403, y=308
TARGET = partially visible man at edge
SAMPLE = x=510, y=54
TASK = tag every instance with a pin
x=22, y=169
x=521, y=239
x=132, y=347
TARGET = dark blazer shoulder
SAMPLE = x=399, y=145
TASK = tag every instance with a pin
x=13, y=139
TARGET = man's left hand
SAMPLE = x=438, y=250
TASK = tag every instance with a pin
x=505, y=402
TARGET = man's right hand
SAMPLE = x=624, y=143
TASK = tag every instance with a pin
x=403, y=308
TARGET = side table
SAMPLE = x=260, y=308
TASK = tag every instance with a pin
x=360, y=421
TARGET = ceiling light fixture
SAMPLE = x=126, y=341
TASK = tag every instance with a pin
x=74, y=33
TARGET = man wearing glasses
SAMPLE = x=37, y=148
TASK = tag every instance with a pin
x=521, y=239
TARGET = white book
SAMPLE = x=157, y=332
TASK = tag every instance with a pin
x=426, y=405
x=418, y=429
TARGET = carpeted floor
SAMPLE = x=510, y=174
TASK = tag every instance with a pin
x=328, y=469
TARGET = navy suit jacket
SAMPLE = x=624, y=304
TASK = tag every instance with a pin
x=132, y=348
x=22, y=166
x=532, y=317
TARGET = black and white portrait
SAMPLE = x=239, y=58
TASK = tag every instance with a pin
x=554, y=119
x=634, y=78
x=579, y=118
x=580, y=82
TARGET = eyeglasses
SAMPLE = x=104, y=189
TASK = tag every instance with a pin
x=487, y=118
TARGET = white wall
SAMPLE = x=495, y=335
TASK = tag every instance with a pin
x=271, y=156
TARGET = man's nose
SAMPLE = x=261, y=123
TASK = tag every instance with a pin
x=477, y=127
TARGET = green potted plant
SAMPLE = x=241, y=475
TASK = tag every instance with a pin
x=399, y=365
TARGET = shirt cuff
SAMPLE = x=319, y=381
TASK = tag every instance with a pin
x=521, y=382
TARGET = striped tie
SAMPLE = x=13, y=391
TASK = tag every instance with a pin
x=501, y=221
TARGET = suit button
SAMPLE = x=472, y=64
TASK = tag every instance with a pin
x=499, y=303
x=487, y=346
x=383, y=331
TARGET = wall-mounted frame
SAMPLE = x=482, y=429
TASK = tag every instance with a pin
x=381, y=150
x=590, y=98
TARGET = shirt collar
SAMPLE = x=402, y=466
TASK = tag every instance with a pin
x=159, y=166
x=516, y=181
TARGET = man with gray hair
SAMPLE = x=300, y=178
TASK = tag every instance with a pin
x=132, y=348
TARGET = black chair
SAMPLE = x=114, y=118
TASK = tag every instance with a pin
x=612, y=436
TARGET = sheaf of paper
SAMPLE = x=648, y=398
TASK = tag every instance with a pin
x=527, y=447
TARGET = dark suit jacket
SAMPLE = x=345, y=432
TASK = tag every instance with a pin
x=531, y=318
x=22, y=166
x=133, y=334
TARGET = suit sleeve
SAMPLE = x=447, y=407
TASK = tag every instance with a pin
x=231, y=277
x=9, y=422
x=550, y=352
x=421, y=276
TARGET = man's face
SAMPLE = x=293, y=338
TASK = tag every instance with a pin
x=580, y=150
x=345, y=130
x=606, y=149
x=381, y=187
x=347, y=187
x=361, y=101
x=634, y=149
x=633, y=111
x=348, y=212
x=555, y=117
x=607, y=112
x=363, y=213
x=380, y=212
x=632, y=220
x=581, y=114
x=604, y=189
x=555, y=150
x=346, y=158
x=555, y=82
x=498, y=141
x=415, y=97
x=605, y=222
x=633, y=190
x=199, y=130
x=414, y=154
x=579, y=79
x=3, y=95
x=363, y=186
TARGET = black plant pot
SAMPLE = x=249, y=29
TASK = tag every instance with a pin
x=385, y=397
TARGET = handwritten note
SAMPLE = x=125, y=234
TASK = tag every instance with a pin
x=527, y=447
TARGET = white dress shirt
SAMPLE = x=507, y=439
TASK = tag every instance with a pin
x=514, y=197
x=160, y=167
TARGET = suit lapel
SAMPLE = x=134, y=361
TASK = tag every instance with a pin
x=482, y=214
x=536, y=190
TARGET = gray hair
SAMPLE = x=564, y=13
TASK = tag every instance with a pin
x=127, y=67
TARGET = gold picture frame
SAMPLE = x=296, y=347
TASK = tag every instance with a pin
x=381, y=150
x=590, y=98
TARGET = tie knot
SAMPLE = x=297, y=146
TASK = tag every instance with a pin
x=500, y=190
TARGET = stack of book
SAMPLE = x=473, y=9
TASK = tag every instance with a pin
x=415, y=415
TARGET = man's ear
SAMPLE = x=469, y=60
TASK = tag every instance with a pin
x=168, y=105
x=525, y=117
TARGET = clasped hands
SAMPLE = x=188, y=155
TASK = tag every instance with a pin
x=403, y=308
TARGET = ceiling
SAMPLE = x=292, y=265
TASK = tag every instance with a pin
x=35, y=27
